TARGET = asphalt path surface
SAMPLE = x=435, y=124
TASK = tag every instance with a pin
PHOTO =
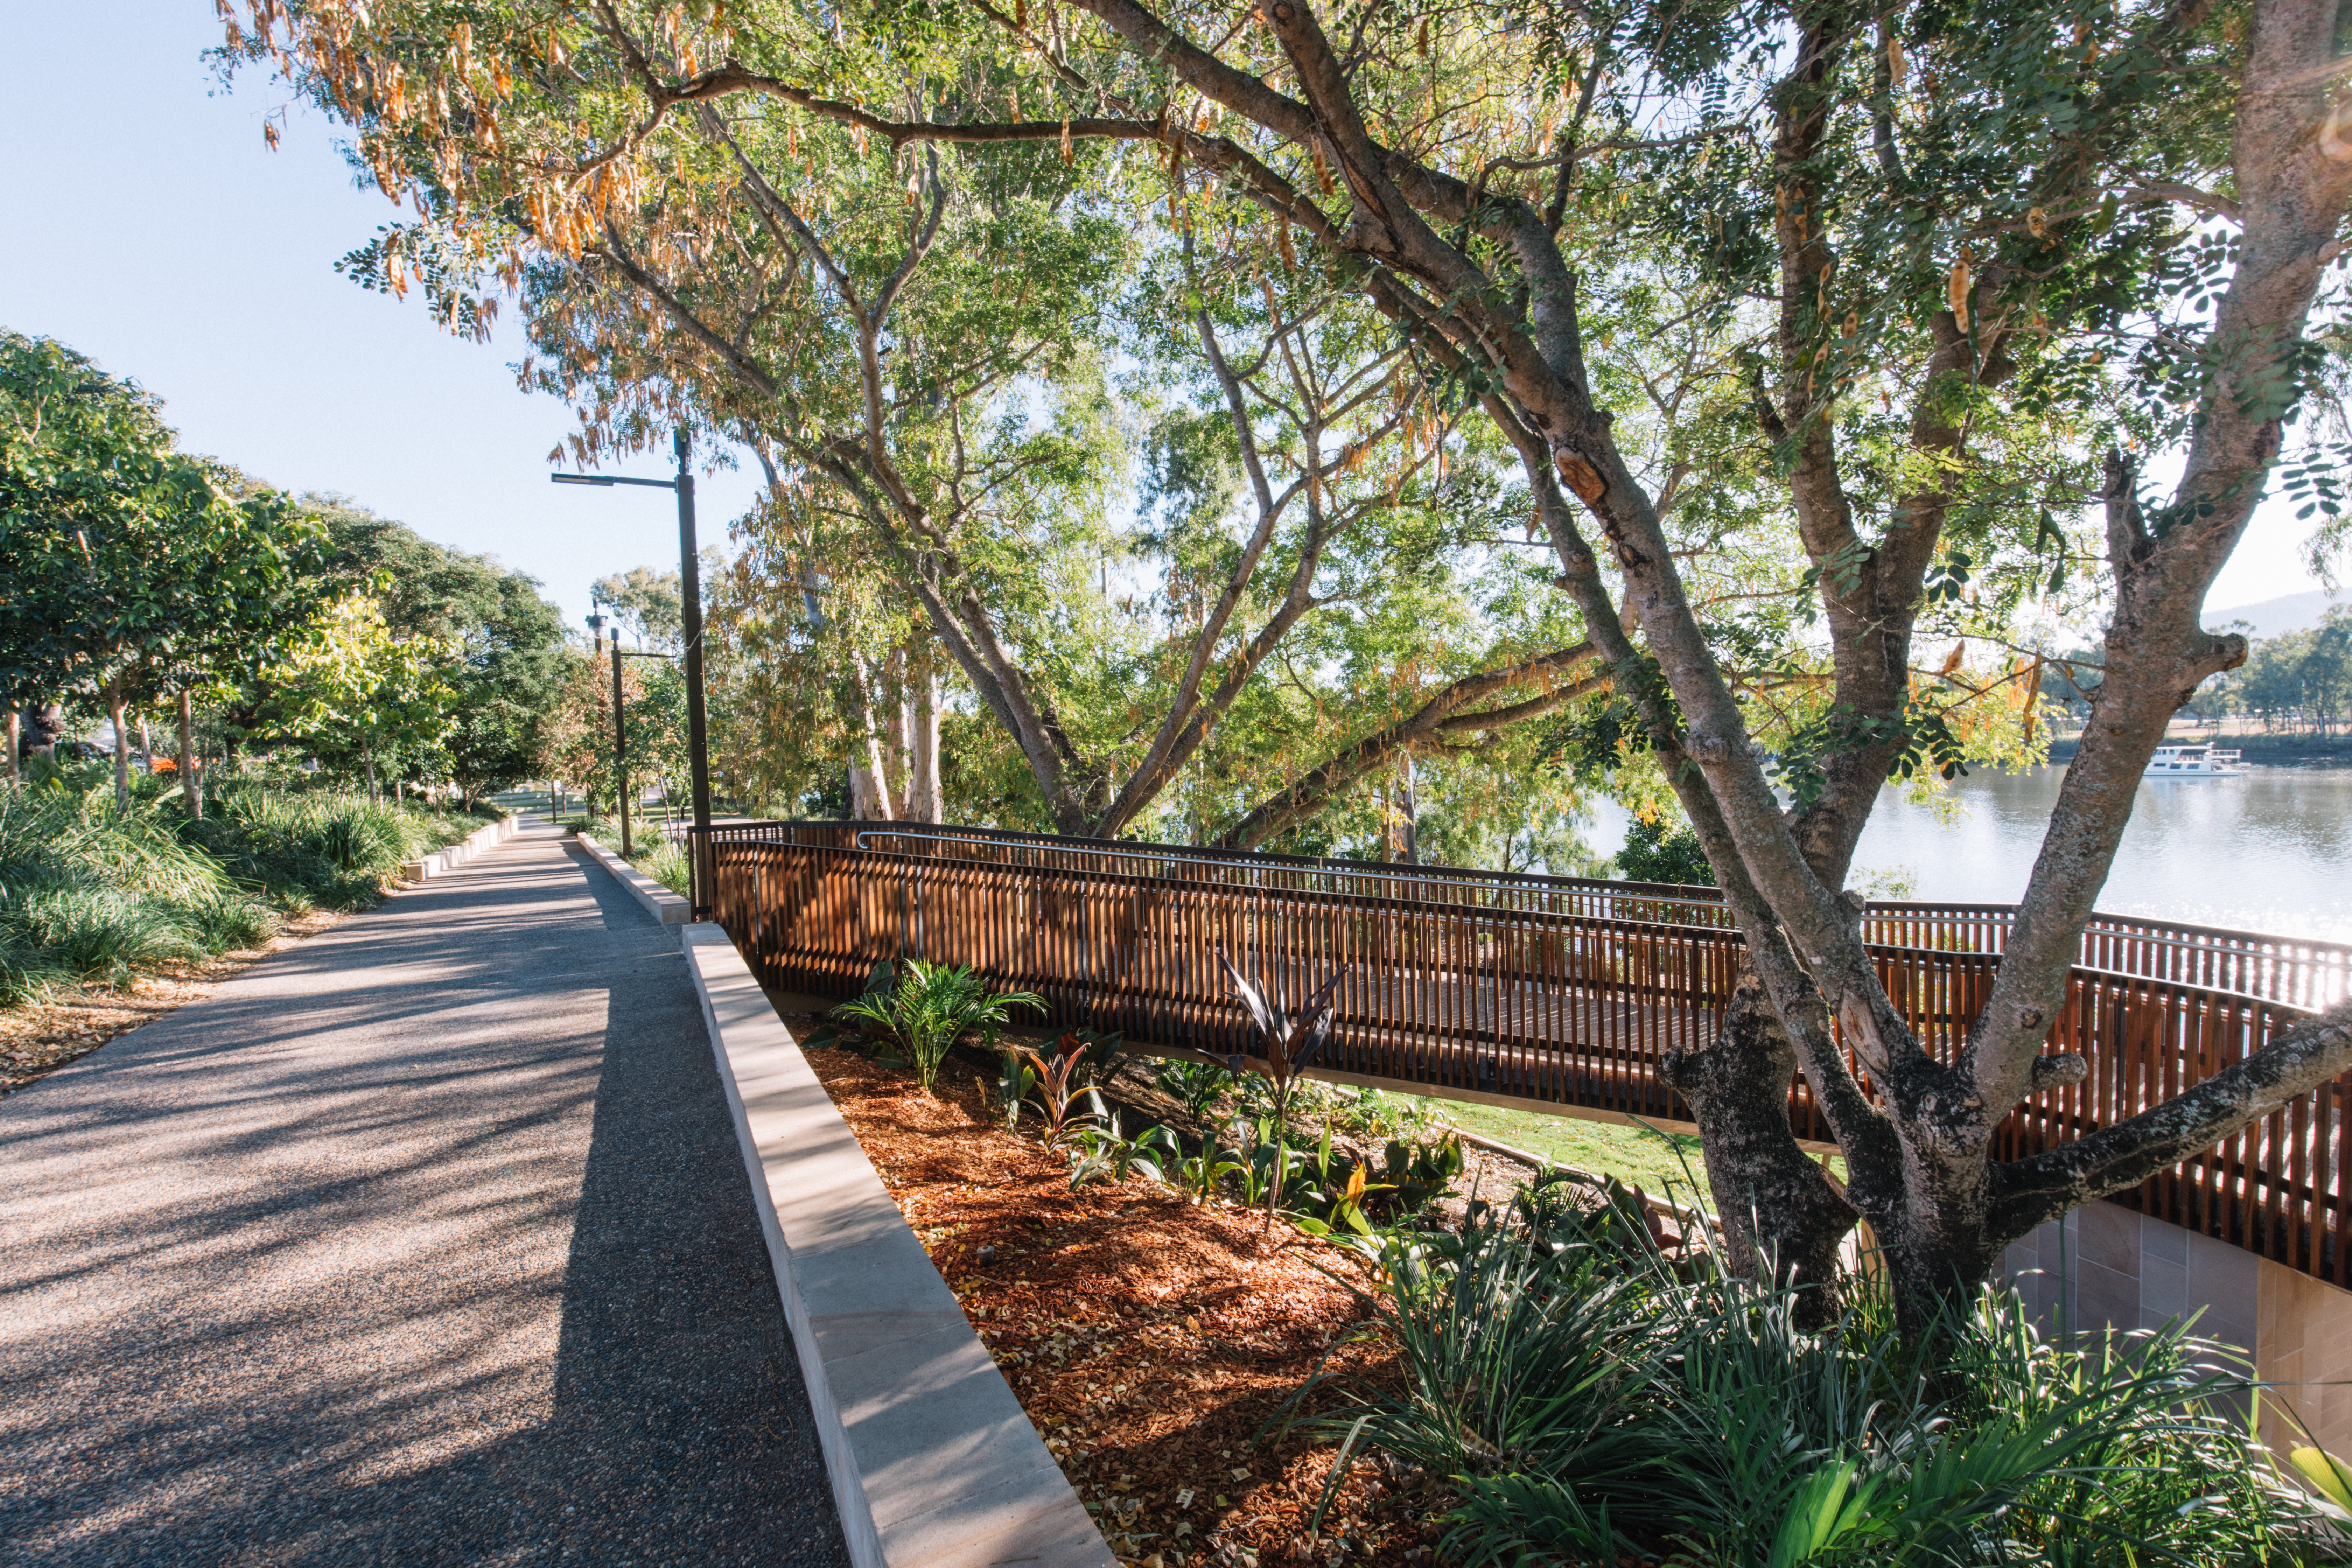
x=424, y=1241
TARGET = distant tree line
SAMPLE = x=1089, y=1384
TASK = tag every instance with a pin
x=2299, y=682
x=144, y=582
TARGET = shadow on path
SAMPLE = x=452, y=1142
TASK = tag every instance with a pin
x=434, y=1249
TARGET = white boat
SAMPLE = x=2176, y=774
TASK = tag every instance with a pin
x=2198, y=762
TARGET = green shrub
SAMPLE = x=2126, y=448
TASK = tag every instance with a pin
x=98, y=932
x=927, y=1007
x=1578, y=1398
x=1660, y=851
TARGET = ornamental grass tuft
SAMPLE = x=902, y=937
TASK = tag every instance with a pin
x=91, y=893
x=1572, y=1395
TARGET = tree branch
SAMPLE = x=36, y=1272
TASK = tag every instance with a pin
x=1441, y=715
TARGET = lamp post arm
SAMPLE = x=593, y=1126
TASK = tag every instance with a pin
x=606, y=481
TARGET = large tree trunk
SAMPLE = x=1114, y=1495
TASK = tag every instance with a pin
x=869, y=775
x=924, y=801
x=1776, y=1209
x=13, y=776
x=189, y=791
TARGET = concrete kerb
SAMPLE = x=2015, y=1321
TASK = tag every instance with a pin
x=659, y=902
x=934, y=1463
x=489, y=836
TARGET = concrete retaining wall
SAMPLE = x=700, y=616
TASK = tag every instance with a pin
x=2104, y=1264
x=934, y=1463
x=657, y=901
x=487, y=836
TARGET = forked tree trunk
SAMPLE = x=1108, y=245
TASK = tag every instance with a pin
x=1780, y=1215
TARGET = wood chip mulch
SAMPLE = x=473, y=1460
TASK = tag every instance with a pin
x=42, y=1037
x=1150, y=1339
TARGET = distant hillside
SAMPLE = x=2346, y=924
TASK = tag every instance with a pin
x=2274, y=617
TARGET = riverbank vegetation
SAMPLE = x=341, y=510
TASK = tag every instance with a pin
x=2293, y=690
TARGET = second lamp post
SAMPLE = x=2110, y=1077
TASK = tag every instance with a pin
x=690, y=572
x=620, y=724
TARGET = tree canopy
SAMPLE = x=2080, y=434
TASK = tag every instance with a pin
x=133, y=569
x=1820, y=351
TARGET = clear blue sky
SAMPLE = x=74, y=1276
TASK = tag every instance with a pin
x=149, y=227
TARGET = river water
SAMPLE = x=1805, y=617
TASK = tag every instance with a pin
x=2267, y=850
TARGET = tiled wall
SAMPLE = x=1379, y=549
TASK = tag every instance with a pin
x=2104, y=1264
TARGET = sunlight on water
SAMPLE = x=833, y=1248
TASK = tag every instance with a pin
x=2269, y=850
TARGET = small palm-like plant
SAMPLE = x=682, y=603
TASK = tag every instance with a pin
x=929, y=1006
x=1287, y=1046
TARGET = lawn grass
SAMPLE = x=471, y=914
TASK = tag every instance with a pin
x=1638, y=1156
x=1643, y=1157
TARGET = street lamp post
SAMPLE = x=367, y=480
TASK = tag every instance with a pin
x=620, y=726
x=690, y=591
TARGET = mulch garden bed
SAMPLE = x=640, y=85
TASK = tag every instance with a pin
x=1150, y=1339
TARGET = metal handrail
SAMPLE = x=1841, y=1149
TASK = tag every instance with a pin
x=2327, y=958
x=1351, y=869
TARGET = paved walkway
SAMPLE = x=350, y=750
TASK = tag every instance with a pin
x=425, y=1241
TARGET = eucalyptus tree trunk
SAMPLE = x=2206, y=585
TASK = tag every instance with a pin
x=869, y=774
x=919, y=722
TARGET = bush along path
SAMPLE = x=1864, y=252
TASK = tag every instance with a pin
x=108, y=918
x=426, y=1242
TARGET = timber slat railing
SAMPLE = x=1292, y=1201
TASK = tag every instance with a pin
x=1560, y=994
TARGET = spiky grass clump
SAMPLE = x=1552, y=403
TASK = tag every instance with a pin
x=666, y=863
x=335, y=850
x=91, y=893
x=1573, y=1397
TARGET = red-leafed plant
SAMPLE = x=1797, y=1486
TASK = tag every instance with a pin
x=1288, y=1045
x=1060, y=1083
